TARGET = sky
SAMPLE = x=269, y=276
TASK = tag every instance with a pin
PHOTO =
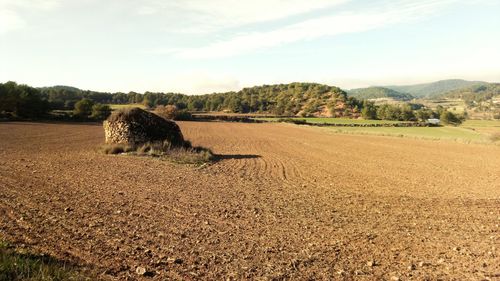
x=204, y=46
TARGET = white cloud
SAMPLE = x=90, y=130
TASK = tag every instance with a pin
x=202, y=16
x=230, y=12
x=12, y=12
x=306, y=30
x=346, y=22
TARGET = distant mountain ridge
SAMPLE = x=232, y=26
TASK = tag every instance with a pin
x=398, y=92
x=434, y=89
x=475, y=93
x=379, y=92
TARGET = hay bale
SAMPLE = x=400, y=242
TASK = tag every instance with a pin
x=135, y=126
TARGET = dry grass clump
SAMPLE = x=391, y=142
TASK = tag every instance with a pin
x=186, y=154
x=117, y=148
x=166, y=111
x=495, y=137
x=125, y=114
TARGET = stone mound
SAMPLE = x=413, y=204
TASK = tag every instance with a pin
x=136, y=126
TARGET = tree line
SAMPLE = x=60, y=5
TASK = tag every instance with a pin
x=23, y=101
x=294, y=99
x=409, y=112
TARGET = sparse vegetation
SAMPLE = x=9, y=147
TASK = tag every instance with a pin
x=117, y=148
x=495, y=137
x=186, y=154
x=15, y=265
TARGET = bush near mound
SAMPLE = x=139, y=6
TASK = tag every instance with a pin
x=136, y=126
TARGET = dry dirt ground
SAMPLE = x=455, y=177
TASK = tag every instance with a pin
x=283, y=202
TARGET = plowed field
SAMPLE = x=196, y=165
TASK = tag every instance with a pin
x=282, y=202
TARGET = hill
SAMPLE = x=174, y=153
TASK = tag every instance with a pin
x=476, y=93
x=296, y=99
x=61, y=88
x=434, y=88
x=305, y=99
x=379, y=92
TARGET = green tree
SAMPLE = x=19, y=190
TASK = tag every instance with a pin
x=423, y=114
x=195, y=105
x=449, y=118
x=22, y=101
x=407, y=113
x=100, y=111
x=381, y=112
x=83, y=108
x=439, y=111
x=369, y=110
x=148, y=101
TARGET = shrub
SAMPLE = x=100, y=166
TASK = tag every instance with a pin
x=171, y=112
x=100, y=111
x=183, y=115
x=166, y=111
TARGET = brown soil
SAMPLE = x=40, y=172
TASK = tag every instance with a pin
x=283, y=202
